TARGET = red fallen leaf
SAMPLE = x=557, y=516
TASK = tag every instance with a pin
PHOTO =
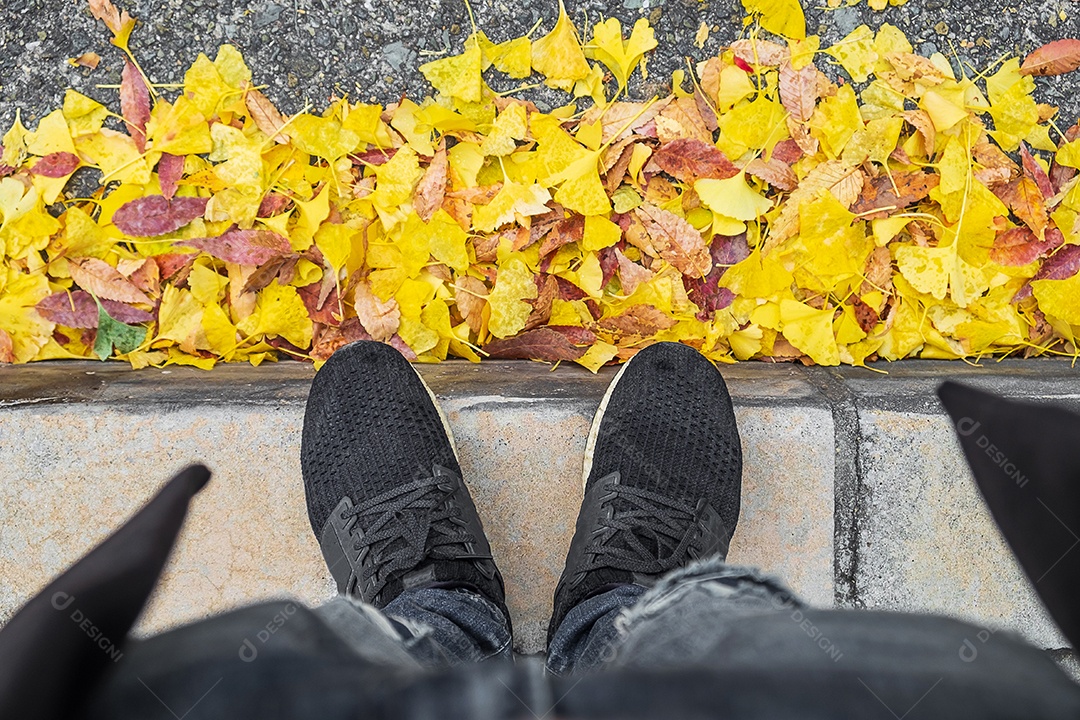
x=157, y=215
x=760, y=52
x=1020, y=246
x=78, y=310
x=594, y=308
x=866, y=316
x=281, y=267
x=272, y=204
x=568, y=291
x=402, y=347
x=266, y=117
x=547, y=288
x=879, y=194
x=609, y=263
x=1027, y=203
x=689, y=159
x=170, y=169
x=134, y=104
x=1061, y=265
x=1034, y=171
x=562, y=233
x=376, y=156
x=243, y=247
x=743, y=65
x=147, y=277
x=328, y=313
x=1055, y=58
x=56, y=165
x=539, y=344
x=575, y=334
x=89, y=60
x=676, y=240
x=289, y=351
x=787, y=151
x=331, y=339
x=171, y=263
x=706, y=292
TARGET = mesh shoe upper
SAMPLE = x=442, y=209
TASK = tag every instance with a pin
x=383, y=485
x=664, y=476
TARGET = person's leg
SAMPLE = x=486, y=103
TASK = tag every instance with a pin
x=394, y=519
x=663, y=479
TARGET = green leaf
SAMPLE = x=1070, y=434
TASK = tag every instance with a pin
x=112, y=333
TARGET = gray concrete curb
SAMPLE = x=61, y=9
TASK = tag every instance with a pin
x=855, y=491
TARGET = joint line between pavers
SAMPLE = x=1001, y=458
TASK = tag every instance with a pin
x=848, y=486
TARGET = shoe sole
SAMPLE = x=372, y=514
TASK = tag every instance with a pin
x=594, y=430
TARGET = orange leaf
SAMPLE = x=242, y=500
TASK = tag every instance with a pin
x=432, y=187
x=105, y=281
x=470, y=294
x=676, y=240
x=690, y=160
x=1056, y=58
x=776, y=173
x=266, y=117
x=1023, y=197
x=7, y=347
x=880, y=194
x=799, y=90
x=381, y=319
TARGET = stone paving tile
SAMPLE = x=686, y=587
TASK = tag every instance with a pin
x=83, y=466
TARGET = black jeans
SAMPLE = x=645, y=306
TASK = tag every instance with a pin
x=708, y=640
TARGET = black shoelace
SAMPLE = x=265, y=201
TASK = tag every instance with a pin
x=642, y=514
x=404, y=525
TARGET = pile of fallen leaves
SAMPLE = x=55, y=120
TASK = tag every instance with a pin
x=760, y=211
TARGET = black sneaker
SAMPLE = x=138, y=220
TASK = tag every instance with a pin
x=384, y=490
x=663, y=476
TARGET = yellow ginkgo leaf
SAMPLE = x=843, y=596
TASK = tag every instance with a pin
x=323, y=137
x=279, y=311
x=84, y=116
x=507, y=300
x=782, y=17
x=558, y=55
x=598, y=355
x=512, y=200
x=856, y=53
x=732, y=197
x=810, y=330
x=943, y=112
x=621, y=57
x=458, y=76
x=336, y=243
x=14, y=143
x=510, y=125
x=513, y=57
x=1059, y=298
x=178, y=129
x=599, y=233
